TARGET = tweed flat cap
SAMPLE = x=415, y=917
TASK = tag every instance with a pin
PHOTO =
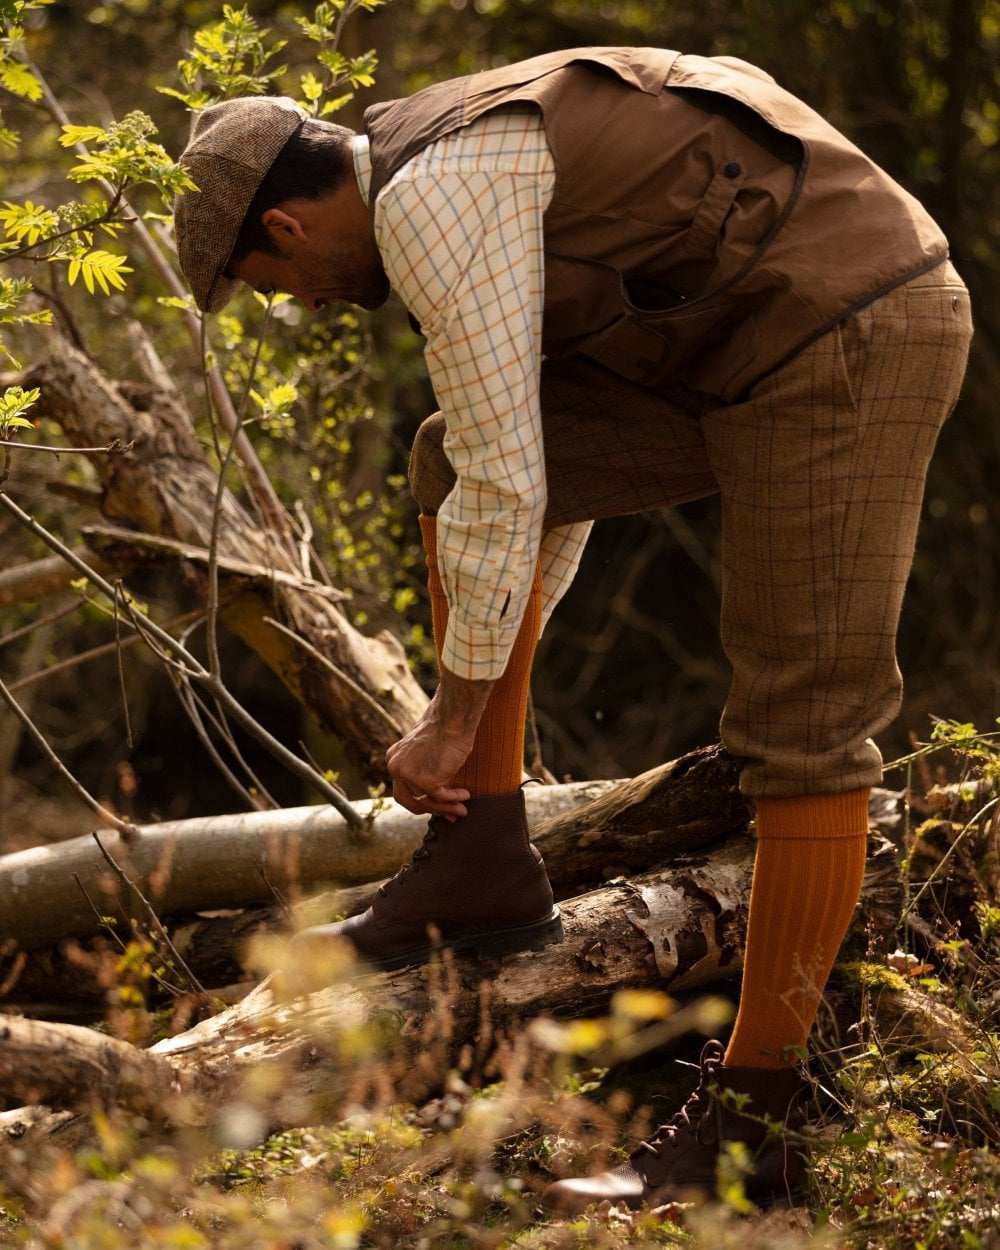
x=232, y=146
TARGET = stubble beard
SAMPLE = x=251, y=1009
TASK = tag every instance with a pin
x=356, y=279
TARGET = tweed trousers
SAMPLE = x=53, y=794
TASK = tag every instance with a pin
x=821, y=472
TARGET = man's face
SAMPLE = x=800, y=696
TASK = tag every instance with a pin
x=326, y=252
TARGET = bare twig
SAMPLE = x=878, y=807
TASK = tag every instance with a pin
x=116, y=445
x=536, y=764
x=197, y=710
x=63, y=309
x=931, y=747
x=305, y=542
x=219, y=721
x=49, y=619
x=127, y=830
x=82, y=657
x=187, y=702
x=212, y=614
x=947, y=855
x=151, y=915
x=37, y=579
x=166, y=985
x=121, y=668
x=341, y=676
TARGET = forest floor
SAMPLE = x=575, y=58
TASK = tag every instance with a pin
x=442, y=1146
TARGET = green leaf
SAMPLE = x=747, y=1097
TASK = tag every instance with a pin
x=101, y=268
x=81, y=134
x=312, y=88
x=283, y=395
x=13, y=404
x=338, y=102
x=27, y=222
x=176, y=301
x=19, y=79
x=193, y=99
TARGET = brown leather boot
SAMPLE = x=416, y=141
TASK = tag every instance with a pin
x=679, y=1160
x=477, y=881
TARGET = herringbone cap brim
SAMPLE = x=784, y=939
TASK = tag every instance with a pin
x=231, y=147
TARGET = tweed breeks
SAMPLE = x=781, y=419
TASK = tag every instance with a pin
x=821, y=474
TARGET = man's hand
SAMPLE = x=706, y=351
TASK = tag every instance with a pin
x=423, y=763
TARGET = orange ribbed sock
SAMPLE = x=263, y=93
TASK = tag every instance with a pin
x=806, y=882
x=497, y=758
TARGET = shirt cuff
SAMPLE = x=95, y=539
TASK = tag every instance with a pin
x=476, y=652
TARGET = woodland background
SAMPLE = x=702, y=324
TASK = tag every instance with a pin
x=630, y=671
x=203, y=1107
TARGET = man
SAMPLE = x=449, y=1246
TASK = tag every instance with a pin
x=643, y=277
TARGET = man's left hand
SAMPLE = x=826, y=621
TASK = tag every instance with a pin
x=423, y=763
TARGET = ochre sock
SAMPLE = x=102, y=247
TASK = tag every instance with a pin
x=806, y=882
x=497, y=759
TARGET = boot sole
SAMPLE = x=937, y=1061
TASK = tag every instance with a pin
x=524, y=937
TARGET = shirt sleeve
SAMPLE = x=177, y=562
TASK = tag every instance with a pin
x=464, y=251
x=560, y=553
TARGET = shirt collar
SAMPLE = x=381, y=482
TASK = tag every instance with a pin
x=362, y=164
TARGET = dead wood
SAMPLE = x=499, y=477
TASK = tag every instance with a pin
x=65, y=1065
x=163, y=484
x=37, y=579
x=125, y=549
x=587, y=832
x=186, y=866
x=678, y=928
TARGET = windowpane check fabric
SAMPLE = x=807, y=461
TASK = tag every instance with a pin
x=459, y=228
x=821, y=472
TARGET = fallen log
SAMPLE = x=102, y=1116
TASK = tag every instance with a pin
x=186, y=866
x=587, y=831
x=40, y=578
x=678, y=928
x=61, y=1064
x=122, y=549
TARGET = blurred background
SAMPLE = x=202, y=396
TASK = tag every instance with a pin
x=630, y=672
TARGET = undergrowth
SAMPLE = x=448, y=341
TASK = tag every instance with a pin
x=408, y=1139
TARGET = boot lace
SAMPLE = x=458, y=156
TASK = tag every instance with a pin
x=422, y=852
x=692, y=1114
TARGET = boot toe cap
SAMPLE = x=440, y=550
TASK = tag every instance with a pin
x=574, y=1194
x=319, y=935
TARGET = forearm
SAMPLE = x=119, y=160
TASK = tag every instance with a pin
x=459, y=702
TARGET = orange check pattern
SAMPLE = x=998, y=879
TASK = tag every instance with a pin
x=459, y=228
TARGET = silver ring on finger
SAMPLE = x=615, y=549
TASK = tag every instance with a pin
x=419, y=796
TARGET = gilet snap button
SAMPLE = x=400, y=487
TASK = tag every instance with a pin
x=954, y=301
x=732, y=169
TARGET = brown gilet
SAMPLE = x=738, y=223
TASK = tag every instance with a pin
x=705, y=224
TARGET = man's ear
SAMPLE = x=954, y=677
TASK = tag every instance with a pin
x=283, y=227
